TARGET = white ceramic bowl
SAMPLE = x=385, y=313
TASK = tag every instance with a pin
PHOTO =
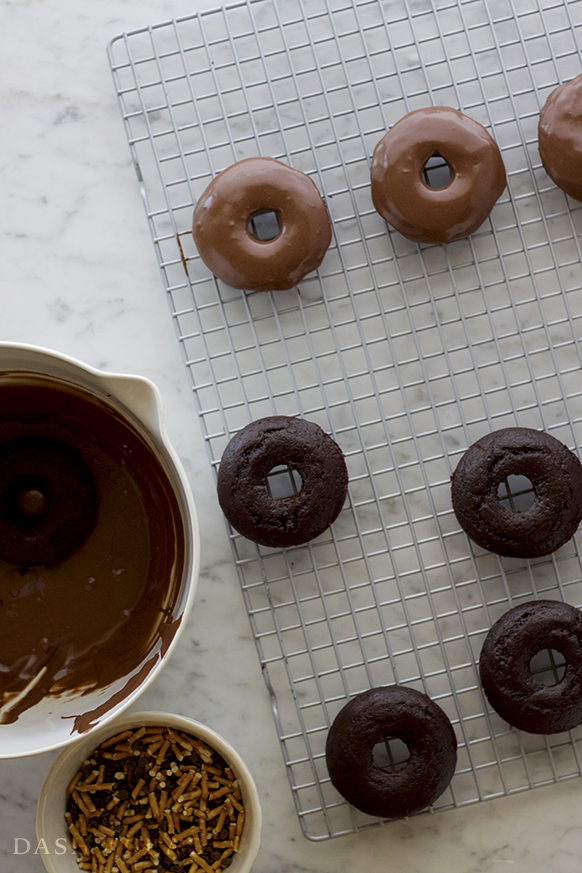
x=55, y=721
x=50, y=821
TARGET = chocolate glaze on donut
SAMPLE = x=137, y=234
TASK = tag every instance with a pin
x=555, y=473
x=391, y=711
x=95, y=615
x=504, y=666
x=400, y=193
x=47, y=501
x=221, y=225
x=242, y=487
x=560, y=137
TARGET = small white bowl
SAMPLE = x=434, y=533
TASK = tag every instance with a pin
x=51, y=826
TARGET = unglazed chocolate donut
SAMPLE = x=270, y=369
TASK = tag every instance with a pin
x=506, y=676
x=248, y=188
x=391, y=711
x=556, y=476
x=560, y=137
x=242, y=481
x=403, y=198
x=47, y=501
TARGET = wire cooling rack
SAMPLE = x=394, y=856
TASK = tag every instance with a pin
x=405, y=354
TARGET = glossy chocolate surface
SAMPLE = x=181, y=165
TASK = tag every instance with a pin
x=47, y=501
x=400, y=193
x=233, y=253
x=95, y=616
x=560, y=137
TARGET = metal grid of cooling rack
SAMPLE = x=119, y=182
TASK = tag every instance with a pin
x=405, y=354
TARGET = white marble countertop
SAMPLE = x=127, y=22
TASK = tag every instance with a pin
x=79, y=275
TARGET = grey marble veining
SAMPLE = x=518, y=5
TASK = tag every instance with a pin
x=79, y=275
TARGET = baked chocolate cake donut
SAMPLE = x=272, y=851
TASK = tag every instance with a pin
x=391, y=711
x=556, y=476
x=239, y=258
x=436, y=215
x=560, y=137
x=506, y=676
x=47, y=501
x=242, y=487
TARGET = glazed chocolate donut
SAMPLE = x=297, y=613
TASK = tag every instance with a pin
x=242, y=481
x=391, y=711
x=555, y=473
x=248, y=188
x=560, y=137
x=403, y=198
x=506, y=676
x=47, y=501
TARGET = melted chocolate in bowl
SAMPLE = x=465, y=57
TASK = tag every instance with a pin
x=87, y=621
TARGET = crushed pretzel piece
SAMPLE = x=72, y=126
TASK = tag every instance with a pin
x=151, y=797
x=112, y=741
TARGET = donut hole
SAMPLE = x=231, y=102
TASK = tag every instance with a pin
x=516, y=493
x=436, y=172
x=391, y=754
x=282, y=481
x=264, y=225
x=548, y=667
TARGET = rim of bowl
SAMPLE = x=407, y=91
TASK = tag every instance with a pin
x=50, y=821
x=191, y=527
